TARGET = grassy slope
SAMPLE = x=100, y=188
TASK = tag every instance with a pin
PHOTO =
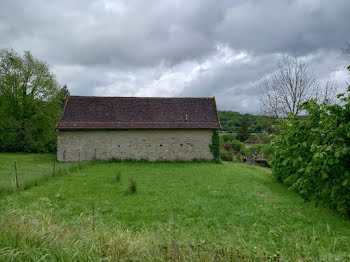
x=194, y=210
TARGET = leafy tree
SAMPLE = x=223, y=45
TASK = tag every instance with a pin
x=312, y=155
x=29, y=103
x=243, y=131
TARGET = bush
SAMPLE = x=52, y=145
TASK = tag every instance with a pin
x=132, y=187
x=225, y=155
x=312, y=155
x=254, y=150
x=215, y=146
x=239, y=157
x=237, y=145
x=228, y=137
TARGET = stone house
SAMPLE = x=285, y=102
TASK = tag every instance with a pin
x=136, y=128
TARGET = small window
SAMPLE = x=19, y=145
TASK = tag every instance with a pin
x=160, y=145
x=181, y=144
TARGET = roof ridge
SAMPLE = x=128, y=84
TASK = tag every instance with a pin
x=148, y=97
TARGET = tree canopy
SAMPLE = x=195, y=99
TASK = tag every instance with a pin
x=30, y=103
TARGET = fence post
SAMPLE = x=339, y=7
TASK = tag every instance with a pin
x=54, y=167
x=16, y=178
x=93, y=217
x=79, y=165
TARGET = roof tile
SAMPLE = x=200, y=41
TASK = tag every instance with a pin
x=87, y=112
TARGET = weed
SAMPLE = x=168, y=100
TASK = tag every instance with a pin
x=132, y=187
x=118, y=177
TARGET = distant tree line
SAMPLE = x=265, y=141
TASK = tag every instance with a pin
x=232, y=121
x=31, y=102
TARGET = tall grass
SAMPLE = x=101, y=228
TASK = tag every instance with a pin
x=22, y=239
x=33, y=174
x=181, y=212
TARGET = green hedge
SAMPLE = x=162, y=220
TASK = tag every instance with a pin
x=312, y=155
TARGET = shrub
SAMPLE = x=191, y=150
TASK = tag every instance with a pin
x=254, y=150
x=215, y=146
x=237, y=145
x=132, y=189
x=225, y=155
x=228, y=137
x=239, y=157
x=312, y=155
x=267, y=149
x=118, y=177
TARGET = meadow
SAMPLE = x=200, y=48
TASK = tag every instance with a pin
x=32, y=169
x=179, y=212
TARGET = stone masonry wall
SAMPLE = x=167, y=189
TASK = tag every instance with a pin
x=151, y=145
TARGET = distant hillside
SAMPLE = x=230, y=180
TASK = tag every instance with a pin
x=230, y=122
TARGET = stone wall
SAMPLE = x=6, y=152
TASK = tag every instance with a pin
x=151, y=145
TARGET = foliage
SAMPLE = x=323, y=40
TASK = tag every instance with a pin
x=313, y=155
x=243, y=131
x=227, y=137
x=266, y=149
x=254, y=150
x=225, y=155
x=215, y=146
x=237, y=145
x=30, y=104
x=231, y=121
x=184, y=212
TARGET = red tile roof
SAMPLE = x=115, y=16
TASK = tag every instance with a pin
x=88, y=112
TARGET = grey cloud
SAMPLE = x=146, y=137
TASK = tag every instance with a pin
x=143, y=33
x=136, y=47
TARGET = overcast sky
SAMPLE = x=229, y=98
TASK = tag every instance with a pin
x=177, y=48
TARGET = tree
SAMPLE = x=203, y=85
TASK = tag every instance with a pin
x=64, y=94
x=29, y=103
x=312, y=155
x=243, y=131
x=291, y=86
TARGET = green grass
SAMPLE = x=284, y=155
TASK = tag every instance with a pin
x=180, y=211
x=32, y=169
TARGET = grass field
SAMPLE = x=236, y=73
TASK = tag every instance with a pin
x=181, y=211
x=31, y=169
